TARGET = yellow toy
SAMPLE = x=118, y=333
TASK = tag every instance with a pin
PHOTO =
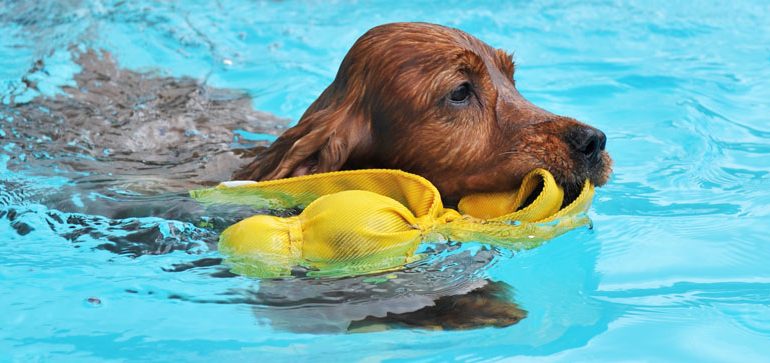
x=364, y=221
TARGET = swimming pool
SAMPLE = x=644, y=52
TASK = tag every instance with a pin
x=675, y=268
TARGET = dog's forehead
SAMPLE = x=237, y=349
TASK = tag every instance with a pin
x=424, y=61
x=421, y=38
x=451, y=41
x=452, y=46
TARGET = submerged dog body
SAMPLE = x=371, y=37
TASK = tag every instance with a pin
x=440, y=103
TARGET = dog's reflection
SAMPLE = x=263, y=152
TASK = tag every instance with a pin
x=447, y=293
x=488, y=305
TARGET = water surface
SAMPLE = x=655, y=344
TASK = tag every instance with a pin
x=675, y=268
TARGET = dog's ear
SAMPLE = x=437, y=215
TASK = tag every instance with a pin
x=322, y=141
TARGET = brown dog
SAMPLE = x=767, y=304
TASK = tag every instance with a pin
x=440, y=103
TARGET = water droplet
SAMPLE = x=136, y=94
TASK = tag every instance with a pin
x=95, y=301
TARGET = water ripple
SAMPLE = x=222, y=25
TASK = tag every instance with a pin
x=677, y=257
x=739, y=301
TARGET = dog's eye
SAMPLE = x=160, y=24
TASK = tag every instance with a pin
x=461, y=94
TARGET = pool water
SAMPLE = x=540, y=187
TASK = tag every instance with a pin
x=94, y=266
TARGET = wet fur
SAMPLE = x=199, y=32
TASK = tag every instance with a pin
x=388, y=108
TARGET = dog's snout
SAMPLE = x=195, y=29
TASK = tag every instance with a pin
x=588, y=141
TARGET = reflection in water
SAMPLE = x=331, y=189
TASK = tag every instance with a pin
x=444, y=291
x=122, y=146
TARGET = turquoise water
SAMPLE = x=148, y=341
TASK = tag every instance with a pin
x=675, y=268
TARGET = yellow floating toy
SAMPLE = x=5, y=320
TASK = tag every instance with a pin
x=365, y=221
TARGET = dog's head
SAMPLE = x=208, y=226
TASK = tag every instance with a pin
x=440, y=103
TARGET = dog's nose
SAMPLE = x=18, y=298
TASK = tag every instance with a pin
x=588, y=141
